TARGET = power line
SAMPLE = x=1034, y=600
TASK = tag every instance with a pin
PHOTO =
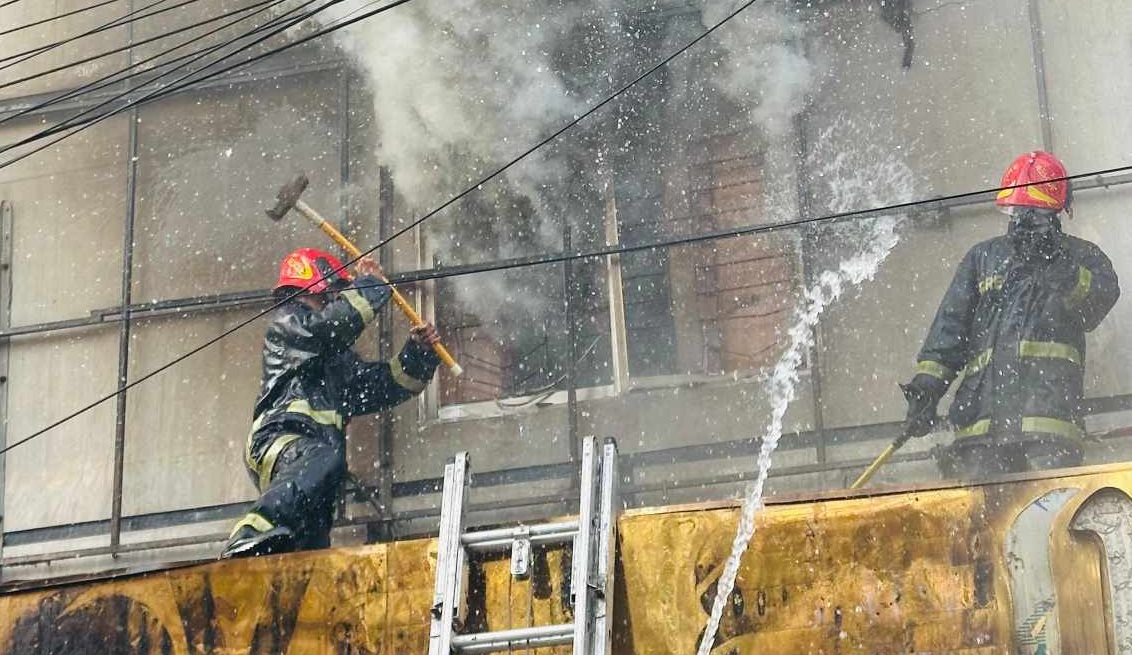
x=499, y=171
x=130, y=17
x=336, y=26
x=58, y=17
x=558, y=258
x=181, y=84
x=899, y=208
x=9, y=2
x=339, y=25
x=65, y=125
x=108, y=80
x=136, y=44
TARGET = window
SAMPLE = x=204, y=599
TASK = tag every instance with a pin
x=711, y=307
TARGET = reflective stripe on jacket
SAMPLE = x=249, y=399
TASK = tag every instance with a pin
x=1016, y=333
x=313, y=383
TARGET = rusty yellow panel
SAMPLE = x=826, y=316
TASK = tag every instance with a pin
x=540, y=599
x=1013, y=567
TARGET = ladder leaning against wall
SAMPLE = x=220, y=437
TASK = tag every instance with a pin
x=594, y=538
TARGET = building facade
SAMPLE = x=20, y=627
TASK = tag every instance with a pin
x=141, y=237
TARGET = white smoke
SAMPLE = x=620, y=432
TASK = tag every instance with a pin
x=766, y=69
x=461, y=87
x=462, y=82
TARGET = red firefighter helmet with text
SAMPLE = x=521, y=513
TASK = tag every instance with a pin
x=1043, y=177
x=310, y=269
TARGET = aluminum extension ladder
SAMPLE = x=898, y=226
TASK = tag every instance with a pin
x=594, y=536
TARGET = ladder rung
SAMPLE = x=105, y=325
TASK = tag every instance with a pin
x=544, y=533
x=538, y=636
x=590, y=539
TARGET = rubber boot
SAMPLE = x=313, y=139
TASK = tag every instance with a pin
x=248, y=542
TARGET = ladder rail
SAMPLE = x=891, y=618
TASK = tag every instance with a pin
x=608, y=513
x=449, y=560
x=582, y=578
x=593, y=545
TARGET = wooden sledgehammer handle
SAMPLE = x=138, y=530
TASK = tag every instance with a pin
x=398, y=299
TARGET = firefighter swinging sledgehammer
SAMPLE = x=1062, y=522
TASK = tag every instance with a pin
x=313, y=383
x=1013, y=323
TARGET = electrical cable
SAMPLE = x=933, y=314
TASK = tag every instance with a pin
x=58, y=17
x=336, y=26
x=136, y=44
x=130, y=17
x=8, y=3
x=64, y=125
x=181, y=84
x=562, y=257
x=558, y=258
x=107, y=80
x=129, y=385
x=554, y=135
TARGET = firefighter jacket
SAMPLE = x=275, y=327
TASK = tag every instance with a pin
x=1016, y=333
x=313, y=383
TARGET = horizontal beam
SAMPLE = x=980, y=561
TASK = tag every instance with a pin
x=517, y=638
x=202, y=304
x=542, y=473
x=537, y=534
x=268, y=69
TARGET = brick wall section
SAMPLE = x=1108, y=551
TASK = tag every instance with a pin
x=744, y=287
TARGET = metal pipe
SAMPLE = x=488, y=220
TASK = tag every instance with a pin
x=809, y=246
x=504, y=544
x=141, y=546
x=522, y=638
x=541, y=533
x=124, y=326
x=182, y=307
x=1037, y=45
x=618, y=339
x=385, y=346
x=5, y=314
x=201, y=304
x=572, y=439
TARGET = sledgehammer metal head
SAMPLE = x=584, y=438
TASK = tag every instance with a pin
x=287, y=197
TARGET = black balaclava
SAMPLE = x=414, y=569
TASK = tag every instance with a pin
x=1034, y=233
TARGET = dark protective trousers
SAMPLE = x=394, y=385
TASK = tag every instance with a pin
x=303, y=489
x=979, y=458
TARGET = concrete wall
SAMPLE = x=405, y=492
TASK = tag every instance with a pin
x=209, y=161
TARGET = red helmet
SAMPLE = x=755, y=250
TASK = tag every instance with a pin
x=1041, y=171
x=310, y=269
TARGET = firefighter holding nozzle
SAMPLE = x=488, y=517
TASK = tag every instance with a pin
x=1012, y=326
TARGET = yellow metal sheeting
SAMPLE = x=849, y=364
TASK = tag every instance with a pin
x=949, y=570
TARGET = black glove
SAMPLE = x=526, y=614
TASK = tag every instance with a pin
x=923, y=394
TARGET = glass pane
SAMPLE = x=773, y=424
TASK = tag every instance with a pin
x=34, y=38
x=518, y=343
x=68, y=209
x=186, y=427
x=66, y=474
x=211, y=162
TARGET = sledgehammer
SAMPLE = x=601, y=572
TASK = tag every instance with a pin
x=288, y=199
